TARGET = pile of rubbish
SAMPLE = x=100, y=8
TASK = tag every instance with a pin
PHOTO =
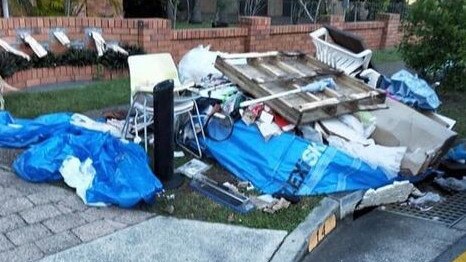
x=363, y=150
x=280, y=122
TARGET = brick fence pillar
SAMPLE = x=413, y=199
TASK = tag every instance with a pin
x=337, y=21
x=258, y=33
x=391, y=33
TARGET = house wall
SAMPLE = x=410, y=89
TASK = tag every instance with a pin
x=155, y=35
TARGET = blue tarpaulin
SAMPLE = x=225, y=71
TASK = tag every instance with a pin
x=412, y=91
x=122, y=174
x=287, y=164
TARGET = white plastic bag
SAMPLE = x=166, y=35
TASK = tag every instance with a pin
x=79, y=175
x=197, y=64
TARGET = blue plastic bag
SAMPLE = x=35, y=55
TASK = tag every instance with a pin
x=289, y=165
x=412, y=91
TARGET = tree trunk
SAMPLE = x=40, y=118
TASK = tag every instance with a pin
x=5, y=9
x=196, y=16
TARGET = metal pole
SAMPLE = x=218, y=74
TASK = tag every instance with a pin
x=6, y=9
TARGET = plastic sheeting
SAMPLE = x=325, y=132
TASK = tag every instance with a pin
x=458, y=153
x=122, y=174
x=289, y=165
x=412, y=91
x=198, y=63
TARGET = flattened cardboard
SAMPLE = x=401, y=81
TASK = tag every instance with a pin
x=426, y=139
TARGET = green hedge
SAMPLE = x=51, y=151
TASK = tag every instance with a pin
x=10, y=64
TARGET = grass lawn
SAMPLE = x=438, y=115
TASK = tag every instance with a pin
x=187, y=25
x=386, y=56
x=81, y=99
x=454, y=106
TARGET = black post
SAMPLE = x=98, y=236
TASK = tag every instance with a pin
x=164, y=135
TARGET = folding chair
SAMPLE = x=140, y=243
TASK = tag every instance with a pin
x=145, y=72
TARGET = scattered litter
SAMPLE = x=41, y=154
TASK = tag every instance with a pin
x=417, y=193
x=394, y=193
x=231, y=187
x=267, y=198
x=170, y=197
x=269, y=130
x=222, y=195
x=426, y=202
x=170, y=209
x=178, y=154
x=277, y=205
x=193, y=167
x=38, y=49
x=451, y=183
x=246, y=185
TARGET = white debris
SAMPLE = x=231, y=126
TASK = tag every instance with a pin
x=193, y=168
x=451, y=184
x=426, y=202
x=231, y=187
x=37, y=48
x=79, y=176
x=88, y=123
x=7, y=47
x=387, y=158
x=198, y=63
x=62, y=38
x=394, y=193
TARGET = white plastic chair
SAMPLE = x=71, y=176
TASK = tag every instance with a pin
x=146, y=71
x=338, y=57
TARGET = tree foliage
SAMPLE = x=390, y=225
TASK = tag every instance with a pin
x=434, y=41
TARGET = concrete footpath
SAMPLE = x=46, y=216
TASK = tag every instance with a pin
x=171, y=239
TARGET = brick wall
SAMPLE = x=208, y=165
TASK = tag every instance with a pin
x=156, y=35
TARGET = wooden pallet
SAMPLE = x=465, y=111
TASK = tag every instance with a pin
x=264, y=74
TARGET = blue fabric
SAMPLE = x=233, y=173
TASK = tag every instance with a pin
x=289, y=165
x=412, y=91
x=123, y=176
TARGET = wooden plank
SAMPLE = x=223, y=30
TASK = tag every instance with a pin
x=271, y=73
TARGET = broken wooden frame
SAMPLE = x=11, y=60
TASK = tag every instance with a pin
x=265, y=74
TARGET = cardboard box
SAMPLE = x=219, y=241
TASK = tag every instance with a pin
x=426, y=139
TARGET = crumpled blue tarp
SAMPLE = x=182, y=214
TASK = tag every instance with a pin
x=289, y=165
x=412, y=91
x=123, y=176
x=457, y=153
